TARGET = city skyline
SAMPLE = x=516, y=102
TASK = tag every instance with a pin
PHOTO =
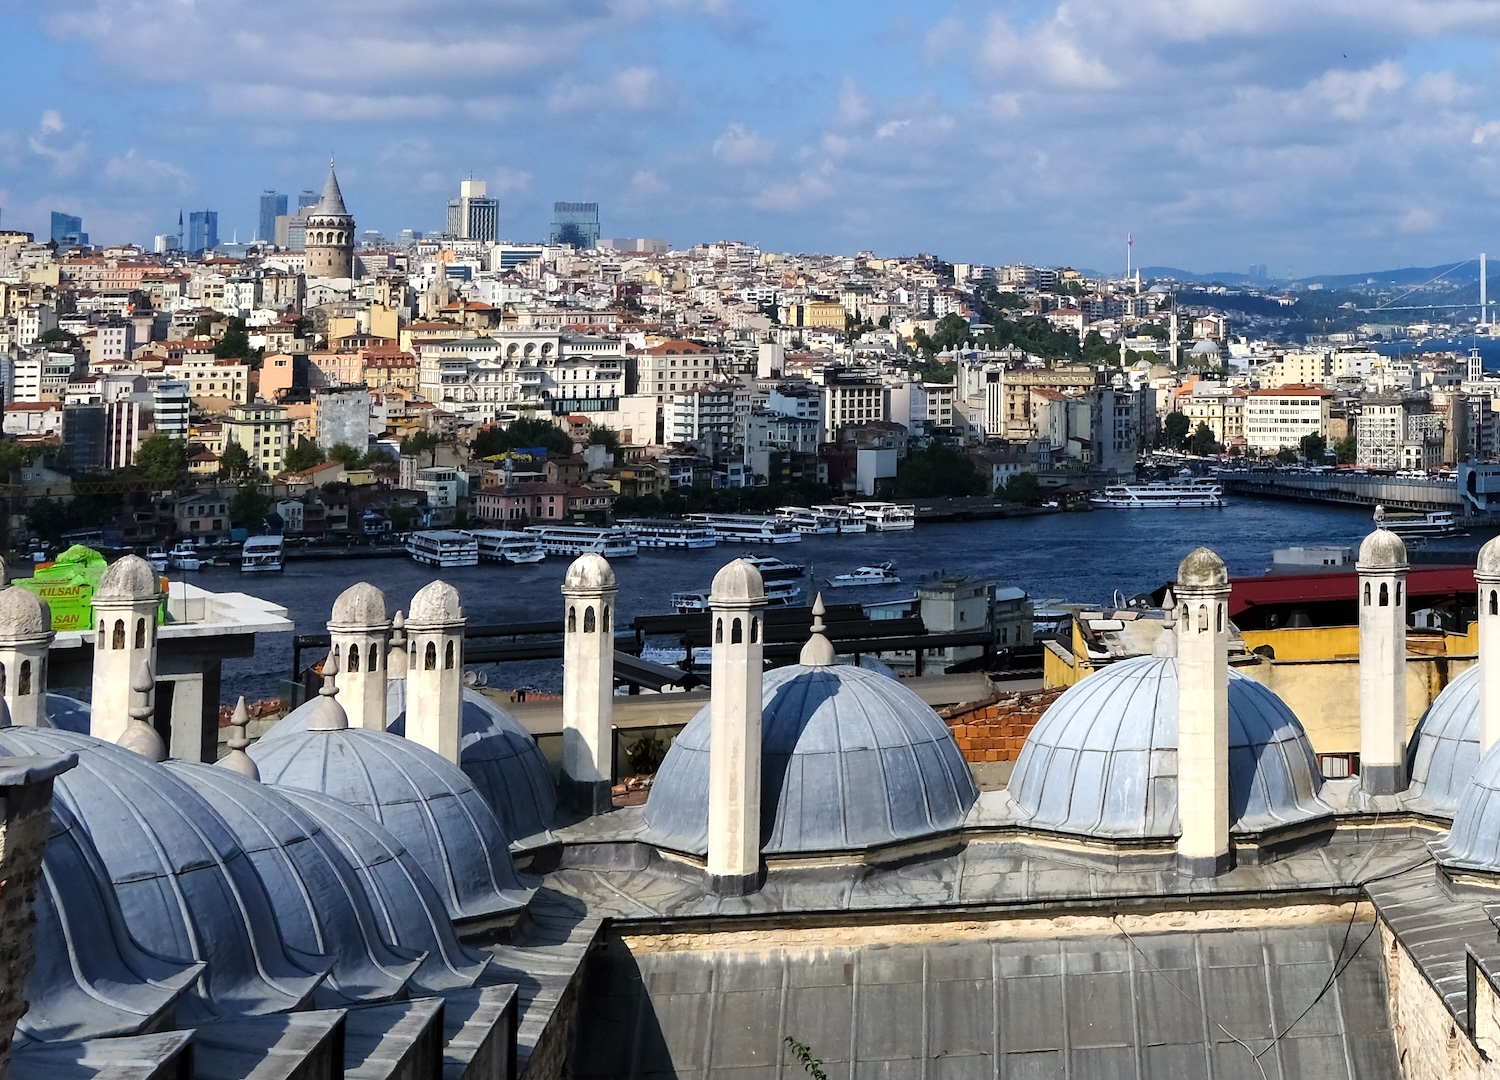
x=1312, y=139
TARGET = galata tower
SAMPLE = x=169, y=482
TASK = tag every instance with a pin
x=330, y=234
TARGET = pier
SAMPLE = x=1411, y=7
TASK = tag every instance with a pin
x=1363, y=490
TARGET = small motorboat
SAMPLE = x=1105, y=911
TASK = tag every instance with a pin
x=878, y=574
x=158, y=558
x=184, y=556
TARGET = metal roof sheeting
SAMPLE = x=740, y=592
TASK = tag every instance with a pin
x=1445, y=747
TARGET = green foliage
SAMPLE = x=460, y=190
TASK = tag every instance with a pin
x=304, y=455
x=235, y=344
x=1346, y=450
x=756, y=500
x=645, y=756
x=804, y=1055
x=605, y=436
x=1023, y=488
x=205, y=325
x=1203, y=443
x=1009, y=301
x=1151, y=330
x=1069, y=287
x=1174, y=431
x=1287, y=456
x=349, y=457
x=234, y=462
x=249, y=507
x=523, y=433
x=14, y=455
x=950, y=332
x=937, y=472
x=57, y=336
x=885, y=322
x=1313, y=447
x=419, y=442
x=1099, y=352
x=162, y=460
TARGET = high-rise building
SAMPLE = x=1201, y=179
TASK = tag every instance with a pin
x=203, y=231
x=307, y=198
x=272, y=206
x=575, y=224
x=67, y=230
x=474, y=215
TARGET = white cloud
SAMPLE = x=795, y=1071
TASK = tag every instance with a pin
x=635, y=89
x=1418, y=219
x=738, y=145
x=64, y=159
x=134, y=170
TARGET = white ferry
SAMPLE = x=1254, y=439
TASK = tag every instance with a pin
x=1432, y=523
x=778, y=594
x=878, y=574
x=574, y=540
x=184, y=556
x=670, y=533
x=444, y=548
x=886, y=516
x=260, y=554
x=500, y=546
x=773, y=569
x=749, y=528
x=807, y=520
x=1161, y=494
x=848, y=519
x=160, y=561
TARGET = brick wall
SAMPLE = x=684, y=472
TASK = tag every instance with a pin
x=995, y=729
x=25, y=822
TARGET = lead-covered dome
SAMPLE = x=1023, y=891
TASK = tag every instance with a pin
x=1382, y=550
x=183, y=882
x=590, y=571
x=851, y=760
x=1473, y=844
x=1102, y=760
x=424, y=799
x=1445, y=747
x=359, y=606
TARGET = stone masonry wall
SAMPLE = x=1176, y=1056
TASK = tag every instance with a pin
x=1430, y=1043
x=25, y=822
x=995, y=729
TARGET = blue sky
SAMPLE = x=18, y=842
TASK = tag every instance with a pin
x=1315, y=137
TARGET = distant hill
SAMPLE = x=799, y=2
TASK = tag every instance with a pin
x=1409, y=275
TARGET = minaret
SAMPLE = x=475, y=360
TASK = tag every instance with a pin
x=435, y=669
x=589, y=592
x=125, y=606
x=139, y=735
x=1382, y=570
x=1202, y=641
x=737, y=607
x=1487, y=575
x=358, y=635
x=25, y=636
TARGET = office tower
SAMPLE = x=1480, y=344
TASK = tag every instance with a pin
x=307, y=198
x=473, y=215
x=203, y=231
x=575, y=224
x=272, y=206
x=67, y=230
x=166, y=242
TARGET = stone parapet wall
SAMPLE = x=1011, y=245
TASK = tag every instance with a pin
x=995, y=729
x=1430, y=1041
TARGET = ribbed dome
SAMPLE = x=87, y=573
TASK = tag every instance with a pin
x=408, y=909
x=1445, y=747
x=91, y=979
x=320, y=904
x=496, y=752
x=1474, y=841
x=131, y=578
x=183, y=882
x=851, y=760
x=1102, y=760
x=23, y=614
x=1382, y=550
x=425, y=800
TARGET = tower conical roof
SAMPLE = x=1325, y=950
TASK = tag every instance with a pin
x=332, y=201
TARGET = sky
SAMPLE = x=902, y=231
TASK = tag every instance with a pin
x=1312, y=136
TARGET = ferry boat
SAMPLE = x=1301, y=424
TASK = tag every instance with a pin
x=749, y=528
x=260, y=554
x=159, y=559
x=574, y=540
x=878, y=574
x=887, y=516
x=1432, y=523
x=773, y=569
x=443, y=548
x=807, y=520
x=848, y=519
x=498, y=545
x=670, y=533
x=1161, y=494
x=785, y=593
x=184, y=556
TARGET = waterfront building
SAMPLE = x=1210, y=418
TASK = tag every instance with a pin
x=1277, y=418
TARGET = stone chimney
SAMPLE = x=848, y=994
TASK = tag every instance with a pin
x=435, y=669
x=1202, y=643
x=25, y=636
x=125, y=606
x=358, y=632
x=589, y=592
x=1382, y=570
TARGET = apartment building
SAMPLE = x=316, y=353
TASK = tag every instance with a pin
x=1278, y=417
x=213, y=384
x=264, y=431
x=1221, y=409
x=555, y=372
x=850, y=398
x=675, y=365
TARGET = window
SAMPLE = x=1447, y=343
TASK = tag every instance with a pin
x=353, y=658
x=588, y=619
x=102, y=635
x=140, y=633
x=448, y=657
x=572, y=620
x=23, y=687
x=429, y=657
x=1385, y=595
x=117, y=639
x=718, y=631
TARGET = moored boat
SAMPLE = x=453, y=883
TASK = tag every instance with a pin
x=443, y=548
x=670, y=533
x=260, y=554
x=749, y=528
x=887, y=516
x=574, y=540
x=849, y=519
x=184, y=556
x=1161, y=495
x=808, y=520
x=516, y=548
x=879, y=574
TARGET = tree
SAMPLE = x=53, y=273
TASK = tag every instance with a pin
x=1203, y=443
x=1286, y=455
x=951, y=331
x=1099, y=352
x=163, y=460
x=1023, y=488
x=304, y=455
x=1313, y=447
x=1175, y=429
x=605, y=436
x=348, y=456
x=234, y=462
x=1346, y=450
x=235, y=344
x=57, y=336
x=938, y=471
x=523, y=434
x=420, y=442
x=248, y=508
